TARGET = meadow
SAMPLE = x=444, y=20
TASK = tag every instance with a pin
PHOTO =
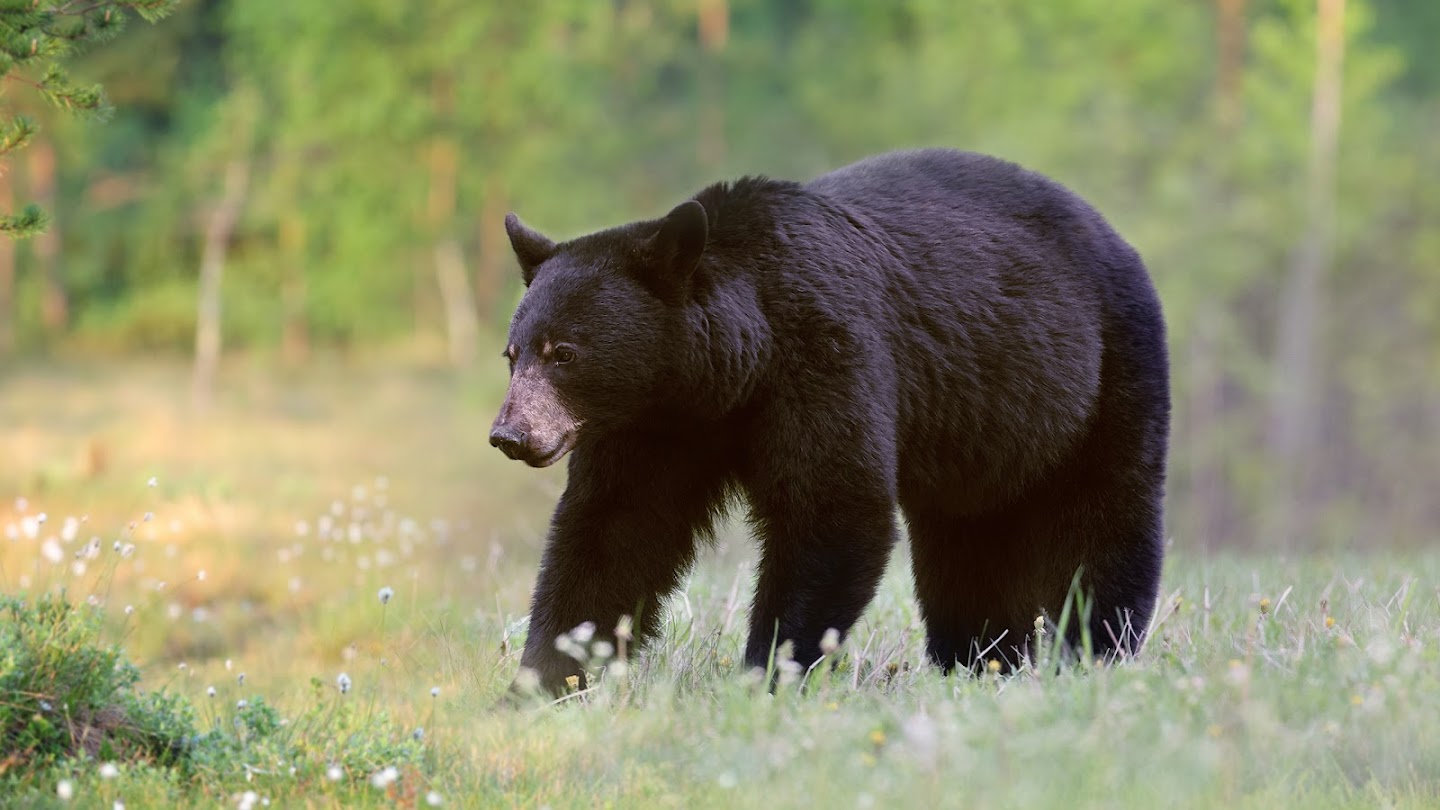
x=327, y=577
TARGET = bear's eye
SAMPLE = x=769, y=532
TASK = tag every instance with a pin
x=564, y=353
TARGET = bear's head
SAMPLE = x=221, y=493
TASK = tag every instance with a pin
x=599, y=333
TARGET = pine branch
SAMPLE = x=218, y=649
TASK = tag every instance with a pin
x=35, y=34
x=30, y=221
x=16, y=134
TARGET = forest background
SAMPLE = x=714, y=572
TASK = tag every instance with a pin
x=316, y=187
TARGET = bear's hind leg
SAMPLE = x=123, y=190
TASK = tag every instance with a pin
x=963, y=591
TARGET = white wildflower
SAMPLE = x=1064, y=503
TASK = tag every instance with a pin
x=334, y=774
x=433, y=799
x=65, y=790
x=109, y=771
x=343, y=682
x=434, y=691
x=385, y=777
x=386, y=594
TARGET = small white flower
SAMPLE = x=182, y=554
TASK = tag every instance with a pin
x=386, y=594
x=201, y=576
x=182, y=666
x=210, y=690
x=333, y=773
x=239, y=679
x=41, y=518
x=247, y=801
x=385, y=777
x=228, y=664
x=65, y=790
x=241, y=704
x=434, y=691
x=433, y=799
x=118, y=805
x=830, y=642
x=149, y=516
x=46, y=707
x=343, y=682
x=418, y=734
x=109, y=771
x=152, y=483
x=129, y=609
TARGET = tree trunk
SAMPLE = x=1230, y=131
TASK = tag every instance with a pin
x=463, y=329
x=1208, y=499
x=494, y=257
x=714, y=33
x=7, y=273
x=54, y=303
x=1230, y=49
x=294, y=292
x=461, y=325
x=1293, y=416
x=212, y=266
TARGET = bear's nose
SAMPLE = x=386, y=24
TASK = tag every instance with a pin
x=510, y=440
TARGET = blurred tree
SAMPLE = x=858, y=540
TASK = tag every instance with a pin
x=1293, y=416
x=392, y=139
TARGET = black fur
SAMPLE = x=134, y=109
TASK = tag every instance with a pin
x=937, y=330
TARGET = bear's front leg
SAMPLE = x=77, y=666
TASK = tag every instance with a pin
x=622, y=536
x=825, y=541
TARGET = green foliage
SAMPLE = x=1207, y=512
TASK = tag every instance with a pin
x=67, y=698
x=64, y=694
x=29, y=221
x=34, y=37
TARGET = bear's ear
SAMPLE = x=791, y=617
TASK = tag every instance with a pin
x=676, y=248
x=531, y=248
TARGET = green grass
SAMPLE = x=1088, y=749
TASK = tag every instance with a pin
x=1299, y=681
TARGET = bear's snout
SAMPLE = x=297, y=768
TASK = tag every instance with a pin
x=510, y=440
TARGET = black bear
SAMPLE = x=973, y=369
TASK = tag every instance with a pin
x=935, y=330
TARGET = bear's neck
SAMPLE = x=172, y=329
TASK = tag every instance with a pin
x=728, y=338
x=727, y=347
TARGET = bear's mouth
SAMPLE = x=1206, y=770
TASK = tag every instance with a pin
x=565, y=445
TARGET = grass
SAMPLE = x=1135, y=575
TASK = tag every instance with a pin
x=1299, y=681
